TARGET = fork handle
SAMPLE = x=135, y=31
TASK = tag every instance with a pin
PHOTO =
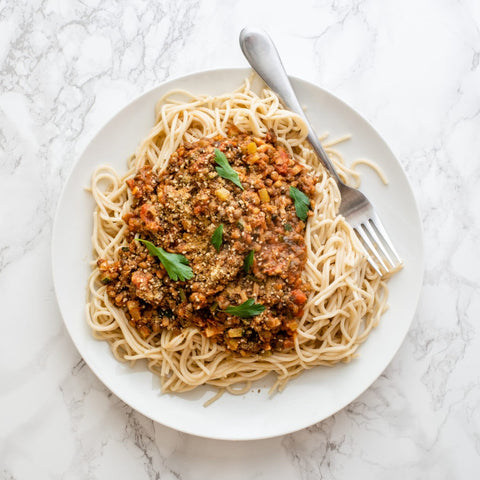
x=262, y=55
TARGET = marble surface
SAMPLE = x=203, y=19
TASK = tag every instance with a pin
x=412, y=68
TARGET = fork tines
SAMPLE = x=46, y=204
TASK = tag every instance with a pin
x=380, y=251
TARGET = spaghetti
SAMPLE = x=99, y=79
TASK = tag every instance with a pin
x=346, y=297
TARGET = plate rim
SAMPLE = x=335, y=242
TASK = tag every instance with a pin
x=107, y=382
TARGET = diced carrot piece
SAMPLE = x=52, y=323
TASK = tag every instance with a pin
x=264, y=196
x=299, y=297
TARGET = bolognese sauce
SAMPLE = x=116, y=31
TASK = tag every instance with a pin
x=180, y=208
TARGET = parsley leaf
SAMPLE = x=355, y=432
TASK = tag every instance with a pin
x=217, y=237
x=246, y=309
x=302, y=203
x=225, y=170
x=288, y=227
x=175, y=264
x=248, y=262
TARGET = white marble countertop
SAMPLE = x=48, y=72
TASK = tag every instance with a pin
x=410, y=67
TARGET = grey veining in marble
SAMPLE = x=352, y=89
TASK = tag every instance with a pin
x=410, y=67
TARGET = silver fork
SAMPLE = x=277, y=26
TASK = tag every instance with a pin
x=262, y=55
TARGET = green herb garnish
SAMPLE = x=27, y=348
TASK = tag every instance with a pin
x=248, y=262
x=225, y=170
x=217, y=237
x=175, y=264
x=302, y=203
x=246, y=309
x=288, y=227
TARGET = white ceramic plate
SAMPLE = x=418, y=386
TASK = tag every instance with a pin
x=317, y=393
